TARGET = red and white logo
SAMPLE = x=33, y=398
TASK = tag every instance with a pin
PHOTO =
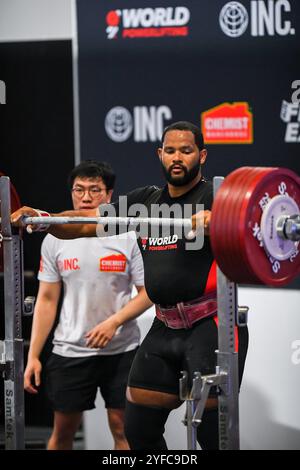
x=68, y=264
x=161, y=243
x=148, y=22
x=113, y=263
x=144, y=243
x=228, y=124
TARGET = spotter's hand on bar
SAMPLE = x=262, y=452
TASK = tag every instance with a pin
x=18, y=216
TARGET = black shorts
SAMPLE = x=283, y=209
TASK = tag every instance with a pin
x=166, y=352
x=72, y=383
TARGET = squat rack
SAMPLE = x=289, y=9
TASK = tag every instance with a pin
x=226, y=378
x=11, y=349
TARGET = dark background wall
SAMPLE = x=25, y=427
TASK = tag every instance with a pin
x=37, y=151
x=187, y=74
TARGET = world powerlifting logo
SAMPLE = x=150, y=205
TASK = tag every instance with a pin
x=160, y=243
x=147, y=22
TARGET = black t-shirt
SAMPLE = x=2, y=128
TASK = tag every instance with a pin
x=172, y=273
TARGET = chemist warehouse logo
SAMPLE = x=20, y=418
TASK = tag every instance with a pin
x=113, y=263
x=147, y=22
x=228, y=124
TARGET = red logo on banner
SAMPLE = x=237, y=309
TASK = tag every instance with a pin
x=148, y=22
x=113, y=263
x=228, y=124
x=112, y=18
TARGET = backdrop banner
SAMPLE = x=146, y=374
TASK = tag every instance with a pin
x=226, y=66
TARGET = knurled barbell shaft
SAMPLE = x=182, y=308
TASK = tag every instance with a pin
x=291, y=229
x=186, y=223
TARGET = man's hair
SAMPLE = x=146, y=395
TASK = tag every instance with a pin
x=93, y=169
x=186, y=126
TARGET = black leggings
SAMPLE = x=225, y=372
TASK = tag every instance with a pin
x=157, y=365
x=145, y=426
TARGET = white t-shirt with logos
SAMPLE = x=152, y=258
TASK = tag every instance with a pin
x=97, y=276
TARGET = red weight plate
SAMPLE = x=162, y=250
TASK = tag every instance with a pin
x=228, y=256
x=15, y=204
x=238, y=269
x=225, y=219
x=219, y=224
x=268, y=270
x=246, y=275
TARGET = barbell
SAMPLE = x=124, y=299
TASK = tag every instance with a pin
x=254, y=229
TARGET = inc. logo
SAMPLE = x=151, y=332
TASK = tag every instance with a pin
x=233, y=19
x=118, y=124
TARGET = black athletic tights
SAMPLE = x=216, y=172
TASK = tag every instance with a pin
x=145, y=426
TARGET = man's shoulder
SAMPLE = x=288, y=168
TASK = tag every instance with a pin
x=144, y=191
x=142, y=195
x=208, y=194
x=49, y=239
x=203, y=193
x=50, y=242
x=208, y=186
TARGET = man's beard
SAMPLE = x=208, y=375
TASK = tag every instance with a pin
x=189, y=175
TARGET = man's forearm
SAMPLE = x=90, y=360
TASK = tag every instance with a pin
x=43, y=321
x=70, y=231
x=133, y=308
x=64, y=231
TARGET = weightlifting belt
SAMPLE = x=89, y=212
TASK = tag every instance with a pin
x=184, y=314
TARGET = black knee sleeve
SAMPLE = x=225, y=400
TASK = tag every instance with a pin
x=208, y=430
x=145, y=426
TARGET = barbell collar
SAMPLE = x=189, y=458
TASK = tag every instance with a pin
x=288, y=227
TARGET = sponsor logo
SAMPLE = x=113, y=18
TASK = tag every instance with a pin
x=69, y=264
x=160, y=243
x=233, y=19
x=265, y=17
x=2, y=92
x=146, y=123
x=113, y=263
x=290, y=115
x=144, y=243
x=147, y=22
x=118, y=124
x=228, y=124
